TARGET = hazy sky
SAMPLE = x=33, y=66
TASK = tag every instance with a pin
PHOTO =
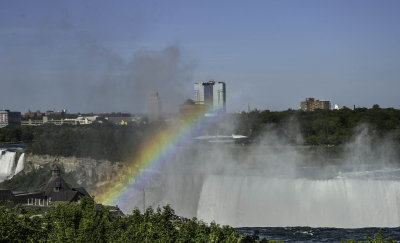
x=101, y=56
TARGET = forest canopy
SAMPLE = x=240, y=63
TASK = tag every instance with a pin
x=114, y=142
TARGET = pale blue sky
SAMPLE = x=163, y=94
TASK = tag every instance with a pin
x=101, y=56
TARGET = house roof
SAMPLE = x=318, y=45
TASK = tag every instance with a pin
x=56, y=182
x=6, y=195
x=56, y=189
x=82, y=191
x=65, y=196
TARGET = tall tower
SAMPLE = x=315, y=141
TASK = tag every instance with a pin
x=219, y=93
x=154, y=107
x=212, y=94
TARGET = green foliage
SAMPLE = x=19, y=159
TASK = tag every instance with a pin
x=72, y=222
x=116, y=143
x=378, y=238
x=87, y=222
x=321, y=127
x=18, y=225
x=98, y=141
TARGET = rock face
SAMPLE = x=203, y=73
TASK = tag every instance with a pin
x=87, y=172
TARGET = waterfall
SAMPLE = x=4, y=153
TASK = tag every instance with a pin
x=20, y=164
x=260, y=201
x=8, y=165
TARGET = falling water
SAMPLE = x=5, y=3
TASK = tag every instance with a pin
x=259, y=201
x=8, y=165
x=272, y=184
x=20, y=164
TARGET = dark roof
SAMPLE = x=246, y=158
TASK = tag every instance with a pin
x=64, y=191
x=6, y=195
x=65, y=196
x=56, y=189
x=82, y=191
x=55, y=181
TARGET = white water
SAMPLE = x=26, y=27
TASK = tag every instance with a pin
x=20, y=164
x=259, y=201
x=8, y=165
x=271, y=184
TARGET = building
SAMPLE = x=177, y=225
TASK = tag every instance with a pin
x=190, y=109
x=310, y=104
x=10, y=118
x=55, y=190
x=212, y=94
x=81, y=120
x=124, y=120
x=154, y=107
x=58, y=113
x=36, y=115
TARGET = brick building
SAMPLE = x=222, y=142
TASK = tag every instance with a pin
x=311, y=104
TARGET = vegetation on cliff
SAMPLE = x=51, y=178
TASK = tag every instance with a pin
x=322, y=127
x=98, y=141
x=116, y=143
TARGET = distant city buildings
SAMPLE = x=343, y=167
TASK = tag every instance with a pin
x=62, y=118
x=154, y=107
x=189, y=107
x=33, y=115
x=9, y=118
x=81, y=120
x=56, y=113
x=124, y=120
x=211, y=94
x=37, y=115
x=310, y=104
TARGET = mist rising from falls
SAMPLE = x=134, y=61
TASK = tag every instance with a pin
x=8, y=164
x=272, y=183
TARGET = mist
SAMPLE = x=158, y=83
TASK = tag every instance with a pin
x=105, y=82
x=79, y=61
x=274, y=182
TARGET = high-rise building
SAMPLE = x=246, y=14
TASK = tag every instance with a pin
x=211, y=94
x=10, y=118
x=310, y=104
x=154, y=107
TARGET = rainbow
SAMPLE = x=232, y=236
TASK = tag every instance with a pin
x=152, y=154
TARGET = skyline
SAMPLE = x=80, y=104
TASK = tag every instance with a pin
x=98, y=56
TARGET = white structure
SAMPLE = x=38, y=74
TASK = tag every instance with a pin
x=154, y=107
x=211, y=93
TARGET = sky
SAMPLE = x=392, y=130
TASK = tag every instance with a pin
x=104, y=56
